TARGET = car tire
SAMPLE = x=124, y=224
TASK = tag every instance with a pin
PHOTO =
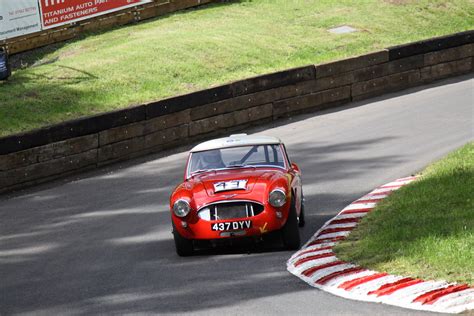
x=184, y=247
x=290, y=232
x=301, y=220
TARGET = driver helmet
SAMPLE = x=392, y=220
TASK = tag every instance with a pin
x=213, y=159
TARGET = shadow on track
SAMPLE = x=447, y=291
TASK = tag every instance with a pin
x=103, y=244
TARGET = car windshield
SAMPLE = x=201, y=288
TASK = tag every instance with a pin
x=236, y=157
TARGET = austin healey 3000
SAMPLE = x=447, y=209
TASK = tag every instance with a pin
x=234, y=187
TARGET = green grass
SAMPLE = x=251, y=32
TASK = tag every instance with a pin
x=212, y=45
x=425, y=229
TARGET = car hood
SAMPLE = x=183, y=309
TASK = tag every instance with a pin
x=222, y=182
x=257, y=181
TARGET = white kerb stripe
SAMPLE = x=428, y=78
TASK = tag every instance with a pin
x=329, y=244
x=357, y=206
x=372, y=285
x=456, y=299
x=373, y=197
x=333, y=235
x=310, y=254
x=383, y=190
x=343, y=225
x=324, y=272
x=412, y=292
x=344, y=278
x=326, y=244
x=363, y=205
x=354, y=215
x=461, y=308
x=311, y=250
x=313, y=263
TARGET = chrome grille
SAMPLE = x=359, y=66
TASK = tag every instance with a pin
x=230, y=210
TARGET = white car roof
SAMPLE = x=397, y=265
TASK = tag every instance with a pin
x=236, y=141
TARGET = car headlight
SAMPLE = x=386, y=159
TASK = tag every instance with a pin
x=277, y=198
x=181, y=208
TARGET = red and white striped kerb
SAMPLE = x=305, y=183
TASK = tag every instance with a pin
x=316, y=264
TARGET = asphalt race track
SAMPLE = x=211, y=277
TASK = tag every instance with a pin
x=102, y=243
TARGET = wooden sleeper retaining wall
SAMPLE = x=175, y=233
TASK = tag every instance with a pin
x=86, y=143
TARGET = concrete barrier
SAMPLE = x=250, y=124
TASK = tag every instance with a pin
x=73, y=146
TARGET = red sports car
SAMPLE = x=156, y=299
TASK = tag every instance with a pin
x=237, y=186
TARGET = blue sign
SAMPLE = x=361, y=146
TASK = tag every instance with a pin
x=4, y=66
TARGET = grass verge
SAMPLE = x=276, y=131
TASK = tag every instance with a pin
x=423, y=230
x=212, y=45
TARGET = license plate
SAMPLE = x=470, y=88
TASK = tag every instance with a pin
x=231, y=225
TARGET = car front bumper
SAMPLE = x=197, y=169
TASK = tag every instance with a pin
x=193, y=227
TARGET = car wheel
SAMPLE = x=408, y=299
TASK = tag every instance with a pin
x=290, y=232
x=301, y=220
x=184, y=247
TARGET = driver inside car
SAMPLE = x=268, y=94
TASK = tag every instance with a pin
x=212, y=159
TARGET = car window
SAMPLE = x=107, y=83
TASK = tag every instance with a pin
x=275, y=155
x=243, y=156
x=236, y=155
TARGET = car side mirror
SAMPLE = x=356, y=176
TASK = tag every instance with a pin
x=295, y=167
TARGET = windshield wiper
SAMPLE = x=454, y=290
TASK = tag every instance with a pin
x=199, y=171
x=240, y=166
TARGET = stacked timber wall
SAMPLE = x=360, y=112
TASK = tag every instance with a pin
x=73, y=146
x=69, y=31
